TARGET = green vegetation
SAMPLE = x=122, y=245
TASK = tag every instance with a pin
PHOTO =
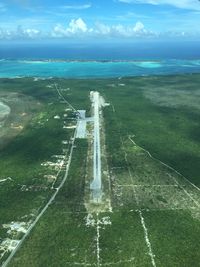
x=25, y=186
x=163, y=114
x=174, y=238
x=122, y=243
x=150, y=202
x=65, y=238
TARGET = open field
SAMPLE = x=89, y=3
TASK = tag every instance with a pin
x=150, y=213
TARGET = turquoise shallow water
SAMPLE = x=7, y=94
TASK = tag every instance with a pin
x=76, y=69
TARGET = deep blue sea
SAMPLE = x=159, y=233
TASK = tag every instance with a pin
x=108, y=60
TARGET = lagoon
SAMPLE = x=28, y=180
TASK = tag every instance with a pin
x=95, y=69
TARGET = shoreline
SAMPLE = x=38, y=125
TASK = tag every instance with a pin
x=37, y=78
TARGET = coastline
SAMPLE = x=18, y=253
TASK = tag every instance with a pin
x=87, y=69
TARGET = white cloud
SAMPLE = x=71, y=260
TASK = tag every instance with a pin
x=31, y=33
x=139, y=27
x=59, y=31
x=20, y=33
x=75, y=27
x=27, y=33
x=77, y=7
x=137, y=30
x=184, y=4
x=79, y=28
x=103, y=29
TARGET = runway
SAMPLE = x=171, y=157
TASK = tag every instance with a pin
x=96, y=184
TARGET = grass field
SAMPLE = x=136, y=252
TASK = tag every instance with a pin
x=149, y=136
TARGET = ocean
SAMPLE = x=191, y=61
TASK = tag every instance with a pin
x=90, y=61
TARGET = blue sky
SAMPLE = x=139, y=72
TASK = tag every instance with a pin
x=99, y=19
